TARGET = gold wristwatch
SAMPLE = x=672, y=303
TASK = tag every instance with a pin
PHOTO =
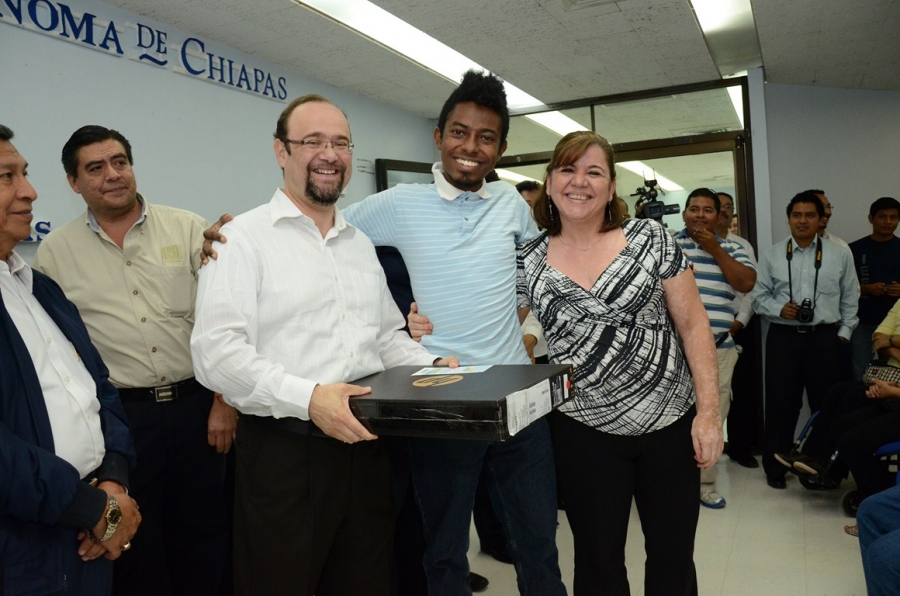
x=113, y=518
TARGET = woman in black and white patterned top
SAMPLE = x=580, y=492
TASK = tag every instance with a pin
x=607, y=293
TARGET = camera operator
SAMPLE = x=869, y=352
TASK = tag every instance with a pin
x=806, y=289
x=648, y=206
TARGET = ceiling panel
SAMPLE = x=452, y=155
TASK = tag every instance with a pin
x=554, y=54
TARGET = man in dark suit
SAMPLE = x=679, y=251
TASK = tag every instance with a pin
x=65, y=446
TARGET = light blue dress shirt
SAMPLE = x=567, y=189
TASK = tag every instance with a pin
x=834, y=297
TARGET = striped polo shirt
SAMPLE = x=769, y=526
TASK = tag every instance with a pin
x=460, y=249
x=716, y=293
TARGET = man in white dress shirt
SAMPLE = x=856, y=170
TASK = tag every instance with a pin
x=295, y=306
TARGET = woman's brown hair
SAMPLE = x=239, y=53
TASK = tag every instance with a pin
x=569, y=150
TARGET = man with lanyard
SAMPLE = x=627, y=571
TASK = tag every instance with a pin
x=721, y=269
x=807, y=291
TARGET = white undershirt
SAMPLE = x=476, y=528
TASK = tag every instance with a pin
x=69, y=390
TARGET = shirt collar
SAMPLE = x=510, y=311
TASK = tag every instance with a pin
x=796, y=246
x=92, y=221
x=284, y=208
x=448, y=192
x=17, y=267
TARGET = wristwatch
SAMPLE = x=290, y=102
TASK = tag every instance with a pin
x=113, y=518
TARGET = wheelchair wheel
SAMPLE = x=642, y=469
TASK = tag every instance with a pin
x=850, y=503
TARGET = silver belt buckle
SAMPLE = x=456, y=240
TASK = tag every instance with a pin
x=164, y=394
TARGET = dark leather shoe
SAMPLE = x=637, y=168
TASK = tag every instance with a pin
x=478, y=583
x=499, y=554
x=776, y=482
x=747, y=461
x=818, y=482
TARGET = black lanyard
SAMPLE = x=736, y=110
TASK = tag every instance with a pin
x=789, y=254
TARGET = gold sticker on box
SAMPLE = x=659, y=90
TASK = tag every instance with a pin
x=437, y=381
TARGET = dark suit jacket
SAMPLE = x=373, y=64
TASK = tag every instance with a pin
x=43, y=502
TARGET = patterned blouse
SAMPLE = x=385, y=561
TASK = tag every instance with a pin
x=631, y=376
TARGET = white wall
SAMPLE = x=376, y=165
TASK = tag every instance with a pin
x=197, y=145
x=842, y=141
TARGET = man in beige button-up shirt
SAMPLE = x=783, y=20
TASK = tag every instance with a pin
x=131, y=268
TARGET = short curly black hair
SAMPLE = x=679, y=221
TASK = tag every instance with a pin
x=483, y=89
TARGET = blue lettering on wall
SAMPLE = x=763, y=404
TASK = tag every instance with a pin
x=53, y=15
x=184, y=55
x=149, y=45
x=153, y=40
x=15, y=9
x=41, y=229
x=111, y=34
x=243, y=79
x=86, y=24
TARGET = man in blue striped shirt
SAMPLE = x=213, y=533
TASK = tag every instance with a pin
x=721, y=268
x=458, y=238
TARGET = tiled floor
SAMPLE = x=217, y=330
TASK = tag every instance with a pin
x=765, y=542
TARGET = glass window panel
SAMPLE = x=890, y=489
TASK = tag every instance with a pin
x=708, y=170
x=664, y=117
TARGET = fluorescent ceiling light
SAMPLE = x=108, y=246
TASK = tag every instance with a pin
x=396, y=34
x=730, y=33
x=556, y=121
x=510, y=175
x=736, y=95
x=647, y=173
x=720, y=15
x=393, y=33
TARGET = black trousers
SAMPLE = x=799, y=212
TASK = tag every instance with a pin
x=599, y=475
x=794, y=362
x=178, y=484
x=408, y=577
x=857, y=447
x=743, y=417
x=845, y=406
x=312, y=515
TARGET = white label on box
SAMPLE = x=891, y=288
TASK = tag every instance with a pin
x=446, y=370
x=526, y=406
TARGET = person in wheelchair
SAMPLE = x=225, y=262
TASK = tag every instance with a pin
x=855, y=409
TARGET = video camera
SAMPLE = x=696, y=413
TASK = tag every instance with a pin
x=648, y=206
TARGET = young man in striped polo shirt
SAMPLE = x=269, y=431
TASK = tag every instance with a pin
x=721, y=268
x=458, y=237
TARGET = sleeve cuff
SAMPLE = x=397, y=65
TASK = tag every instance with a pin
x=86, y=508
x=114, y=468
x=293, y=398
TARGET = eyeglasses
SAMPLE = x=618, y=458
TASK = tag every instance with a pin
x=315, y=145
